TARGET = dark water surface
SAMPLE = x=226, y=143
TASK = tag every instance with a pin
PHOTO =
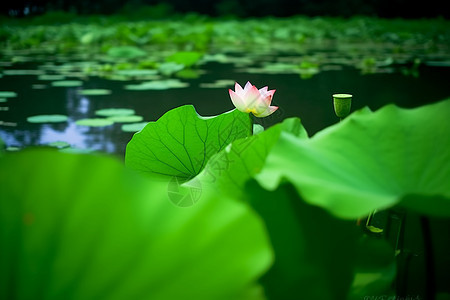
x=309, y=99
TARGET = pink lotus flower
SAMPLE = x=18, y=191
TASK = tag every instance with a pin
x=250, y=99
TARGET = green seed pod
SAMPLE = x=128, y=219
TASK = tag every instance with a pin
x=342, y=104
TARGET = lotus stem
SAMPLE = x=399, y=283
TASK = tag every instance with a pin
x=430, y=288
x=250, y=116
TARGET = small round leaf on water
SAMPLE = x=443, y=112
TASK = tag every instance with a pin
x=67, y=83
x=94, y=122
x=47, y=119
x=59, y=144
x=7, y=94
x=112, y=112
x=134, y=127
x=51, y=77
x=126, y=119
x=95, y=92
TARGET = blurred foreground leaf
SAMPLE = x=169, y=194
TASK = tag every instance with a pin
x=375, y=269
x=82, y=227
x=314, y=251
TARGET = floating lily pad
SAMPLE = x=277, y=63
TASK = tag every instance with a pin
x=438, y=63
x=112, y=112
x=67, y=83
x=12, y=148
x=76, y=150
x=186, y=58
x=126, y=52
x=39, y=86
x=7, y=94
x=59, y=144
x=23, y=72
x=137, y=73
x=134, y=127
x=222, y=83
x=189, y=74
x=47, y=119
x=95, y=92
x=94, y=122
x=278, y=68
x=157, y=85
x=219, y=58
x=9, y=124
x=126, y=119
x=51, y=77
x=170, y=68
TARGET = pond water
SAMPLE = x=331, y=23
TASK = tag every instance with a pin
x=309, y=99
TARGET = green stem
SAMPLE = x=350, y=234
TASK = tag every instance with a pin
x=250, y=116
x=430, y=288
x=395, y=234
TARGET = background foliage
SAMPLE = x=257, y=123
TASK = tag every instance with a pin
x=243, y=8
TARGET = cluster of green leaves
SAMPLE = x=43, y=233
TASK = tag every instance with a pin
x=202, y=30
x=150, y=44
x=268, y=215
x=311, y=191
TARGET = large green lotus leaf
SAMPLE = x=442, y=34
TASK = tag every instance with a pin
x=83, y=227
x=370, y=161
x=229, y=169
x=181, y=142
x=314, y=251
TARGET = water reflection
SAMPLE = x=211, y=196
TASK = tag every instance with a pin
x=73, y=135
x=83, y=107
x=82, y=137
x=77, y=105
x=309, y=99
